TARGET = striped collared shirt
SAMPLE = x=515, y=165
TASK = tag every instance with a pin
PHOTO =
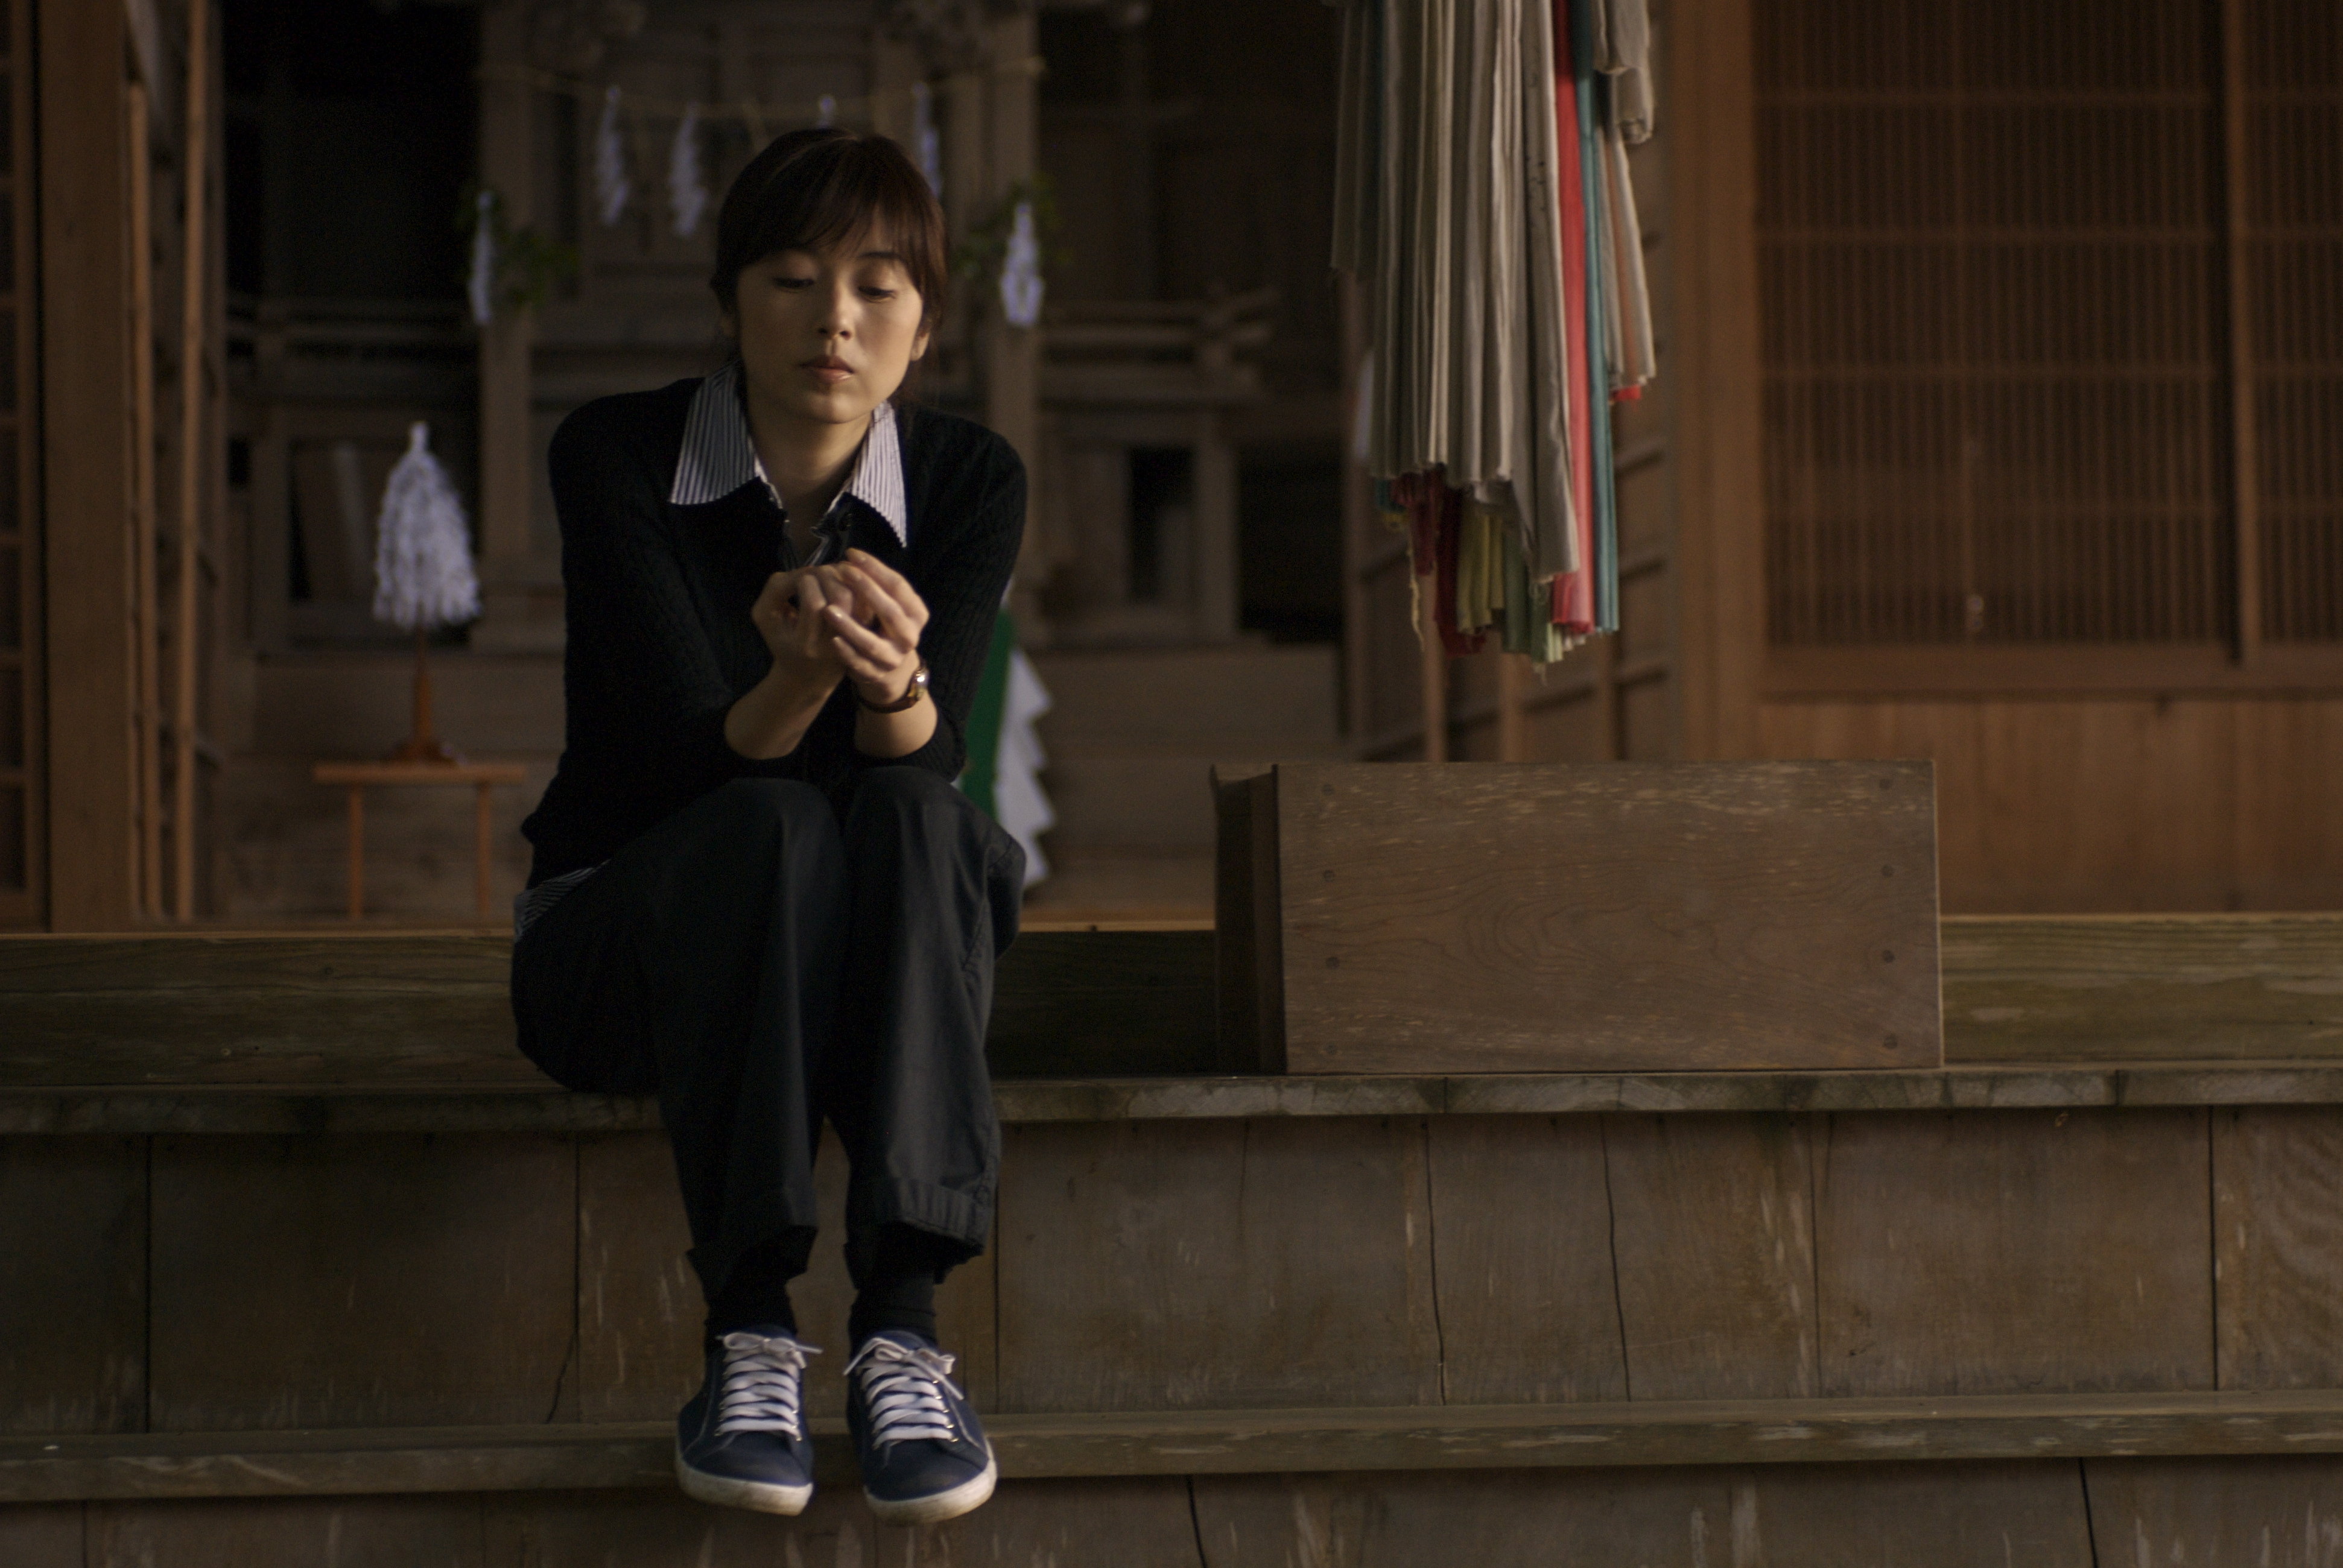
x=719, y=456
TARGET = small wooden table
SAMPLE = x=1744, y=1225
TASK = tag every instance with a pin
x=357, y=776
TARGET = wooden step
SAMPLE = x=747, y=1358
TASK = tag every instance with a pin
x=274, y=1112
x=414, y=1009
x=1212, y=1443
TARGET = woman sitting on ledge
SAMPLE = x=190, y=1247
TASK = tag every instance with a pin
x=756, y=891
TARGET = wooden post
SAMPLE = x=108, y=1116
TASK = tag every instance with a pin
x=1714, y=371
x=85, y=420
x=357, y=852
x=1012, y=355
x=195, y=166
x=2245, y=465
x=1435, y=686
x=506, y=445
x=145, y=611
x=481, y=820
x=1513, y=711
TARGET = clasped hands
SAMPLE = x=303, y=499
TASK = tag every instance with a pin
x=857, y=619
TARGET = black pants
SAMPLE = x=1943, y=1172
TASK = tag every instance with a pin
x=769, y=956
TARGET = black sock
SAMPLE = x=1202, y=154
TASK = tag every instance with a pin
x=899, y=1290
x=755, y=1294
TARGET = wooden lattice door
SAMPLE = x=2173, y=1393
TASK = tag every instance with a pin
x=21, y=724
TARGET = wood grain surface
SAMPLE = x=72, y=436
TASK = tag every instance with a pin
x=1153, y=1266
x=418, y=1010
x=1713, y=1227
x=43, y=1535
x=1521, y=1237
x=260, y=1108
x=639, y=1313
x=2266, y=1513
x=1537, y=916
x=73, y=1306
x=2143, y=988
x=380, y=1281
x=2015, y=1252
x=1926, y=1516
x=1521, y=1519
x=537, y=1456
x=2278, y=1232
x=345, y=1531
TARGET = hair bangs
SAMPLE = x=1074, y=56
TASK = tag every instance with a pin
x=818, y=190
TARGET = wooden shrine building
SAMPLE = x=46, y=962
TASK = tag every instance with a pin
x=1997, y=428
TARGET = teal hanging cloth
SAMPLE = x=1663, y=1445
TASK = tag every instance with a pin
x=986, y=715
x=1599, y=370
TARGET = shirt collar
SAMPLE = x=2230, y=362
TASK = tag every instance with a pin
x=719, y=456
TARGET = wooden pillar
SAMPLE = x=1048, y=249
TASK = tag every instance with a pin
x=1012, y=356
x=1713, y=373
x=508, y=576
x=89, y=466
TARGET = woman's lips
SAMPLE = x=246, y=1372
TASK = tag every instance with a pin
x=828, y=372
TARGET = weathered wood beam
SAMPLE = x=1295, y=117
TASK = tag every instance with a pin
x=1210, y=1443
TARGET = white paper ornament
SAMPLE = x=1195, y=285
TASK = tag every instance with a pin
x=925, y=141
x=610, y=187
x=480, y=287
x=1019, y=803
x=826, y=114
x=423, y=574
x=686, y=185
x=1020, y=271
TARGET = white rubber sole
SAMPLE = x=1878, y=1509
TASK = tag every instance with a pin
x=759, y=1496
x=965, y=1498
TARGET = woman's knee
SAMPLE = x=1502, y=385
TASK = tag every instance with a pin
x=909, y=787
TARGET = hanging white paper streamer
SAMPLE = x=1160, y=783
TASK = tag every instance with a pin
x=925, y=141
x=686, y=186
x=1019, y=804
x=828, y=114
x=610, y=187
x=423, y=557
x=480, y=287
x=1020, y=271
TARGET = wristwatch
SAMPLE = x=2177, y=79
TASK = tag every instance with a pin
x=911, y=694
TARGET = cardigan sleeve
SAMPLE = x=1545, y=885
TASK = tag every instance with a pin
x=963, y=592
x=640, y=671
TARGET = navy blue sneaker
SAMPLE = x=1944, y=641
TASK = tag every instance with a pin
x=742, y=1441
x=924, y=1456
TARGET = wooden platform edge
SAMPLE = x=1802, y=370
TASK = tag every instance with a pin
x=288, y=1110
x=1490, y=1437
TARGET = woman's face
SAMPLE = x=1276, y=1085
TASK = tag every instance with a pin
x=827, y=336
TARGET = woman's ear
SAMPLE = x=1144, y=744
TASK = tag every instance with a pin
x=919, y=346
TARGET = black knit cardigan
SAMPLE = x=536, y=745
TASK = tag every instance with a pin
x=660, y=643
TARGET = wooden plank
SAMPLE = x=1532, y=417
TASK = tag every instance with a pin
x=381, y=1281
x=345, y=1531
x=72, y=1316
x=1135, y=1260
x=1925, y=1515
x=2013, y=1251
x=639, y=1311
x=1621, y=916
x=432, y=1007
x=1067, y=1003
x=43, y=1535
x=2143, y=988
x=279, y=1008
x=1609, y=1437
x=87, y=463
x=1521, y=1239
x=261, y=1109
x=2271, y=1512
x=2278, y=1232
x=1519, y=1519
x=1711, y=1221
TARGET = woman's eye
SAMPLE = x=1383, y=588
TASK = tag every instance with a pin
x=784, y=282
x=876, y=293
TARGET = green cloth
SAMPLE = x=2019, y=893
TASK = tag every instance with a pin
x=985, y=716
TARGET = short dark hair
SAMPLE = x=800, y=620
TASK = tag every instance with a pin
x=812, y=189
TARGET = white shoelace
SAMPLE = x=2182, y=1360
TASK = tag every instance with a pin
x=904, y=1388
x=763, y=1382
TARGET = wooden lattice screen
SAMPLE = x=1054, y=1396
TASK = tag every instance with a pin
x=20, y=687
x=2004, y=402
